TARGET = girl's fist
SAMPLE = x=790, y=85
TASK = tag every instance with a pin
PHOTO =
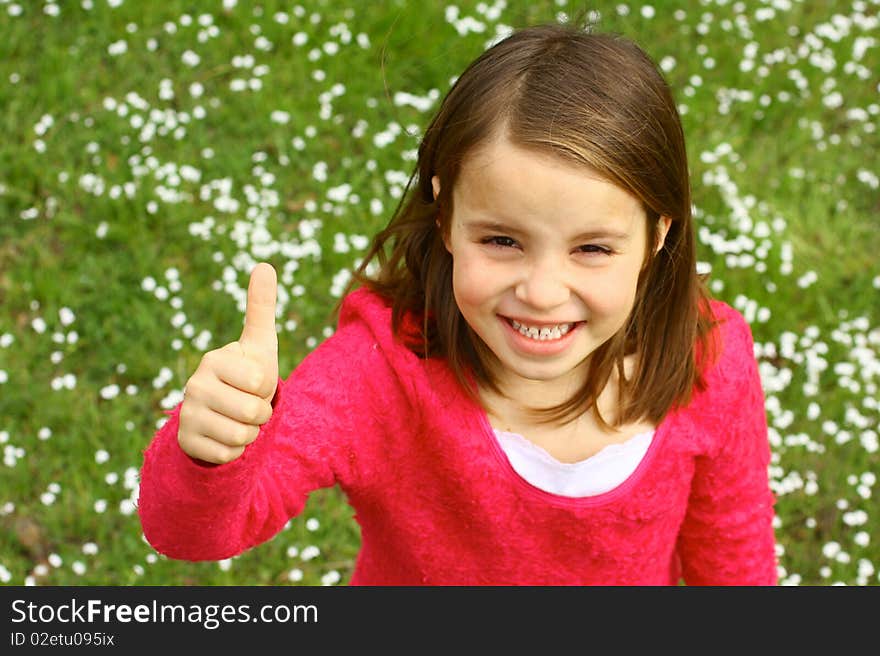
x=230, y=394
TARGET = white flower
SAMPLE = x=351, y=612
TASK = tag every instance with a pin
x=331, y=578
x=310, y=552
x=117, y=48
x=190, y=58
x=280, y=117
x=110, y=391
x=831, y=549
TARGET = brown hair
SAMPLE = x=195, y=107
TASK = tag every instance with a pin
x=594, y=99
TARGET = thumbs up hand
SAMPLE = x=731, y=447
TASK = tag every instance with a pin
x=229, y=396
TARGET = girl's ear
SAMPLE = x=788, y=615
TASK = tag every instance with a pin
x=435, y=185
x=662, y=228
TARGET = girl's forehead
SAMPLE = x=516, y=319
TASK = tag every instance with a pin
x=503, y=167
x=495, y=155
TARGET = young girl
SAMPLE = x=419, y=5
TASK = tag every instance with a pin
x=534, y=388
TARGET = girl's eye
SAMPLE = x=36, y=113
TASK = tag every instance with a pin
x=594, y=249
x=500, y=241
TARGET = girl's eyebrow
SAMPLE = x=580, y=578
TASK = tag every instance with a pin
x=497, y=226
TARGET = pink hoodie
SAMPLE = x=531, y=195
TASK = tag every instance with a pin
x=436, y=498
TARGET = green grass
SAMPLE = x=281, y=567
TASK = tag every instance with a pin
x=800, y=163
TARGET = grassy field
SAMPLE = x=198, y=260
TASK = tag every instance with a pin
x=153, y=152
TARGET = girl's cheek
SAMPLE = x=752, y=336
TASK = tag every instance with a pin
x=481, y=271
x=610, y=293
x=466, y=277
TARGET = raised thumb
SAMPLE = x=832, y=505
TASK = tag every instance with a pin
x=258, y=334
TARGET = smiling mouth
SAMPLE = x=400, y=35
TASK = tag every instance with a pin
x=542, y=333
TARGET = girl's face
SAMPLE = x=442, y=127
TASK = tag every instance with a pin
x=546, y=257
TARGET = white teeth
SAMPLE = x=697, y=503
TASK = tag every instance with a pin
x=542, y=334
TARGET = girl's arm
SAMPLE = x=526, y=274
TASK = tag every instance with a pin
x=727, y=537
x=194, y=510
x=323, y=412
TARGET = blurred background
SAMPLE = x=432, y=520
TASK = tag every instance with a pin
x=152, y=153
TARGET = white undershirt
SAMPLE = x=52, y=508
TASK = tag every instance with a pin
x=599, y=473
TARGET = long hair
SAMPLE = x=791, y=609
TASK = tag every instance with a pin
x=596, y=100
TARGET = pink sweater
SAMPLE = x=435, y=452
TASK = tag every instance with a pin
x=435, y=497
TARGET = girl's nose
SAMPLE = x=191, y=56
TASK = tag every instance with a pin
x=543, y=286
